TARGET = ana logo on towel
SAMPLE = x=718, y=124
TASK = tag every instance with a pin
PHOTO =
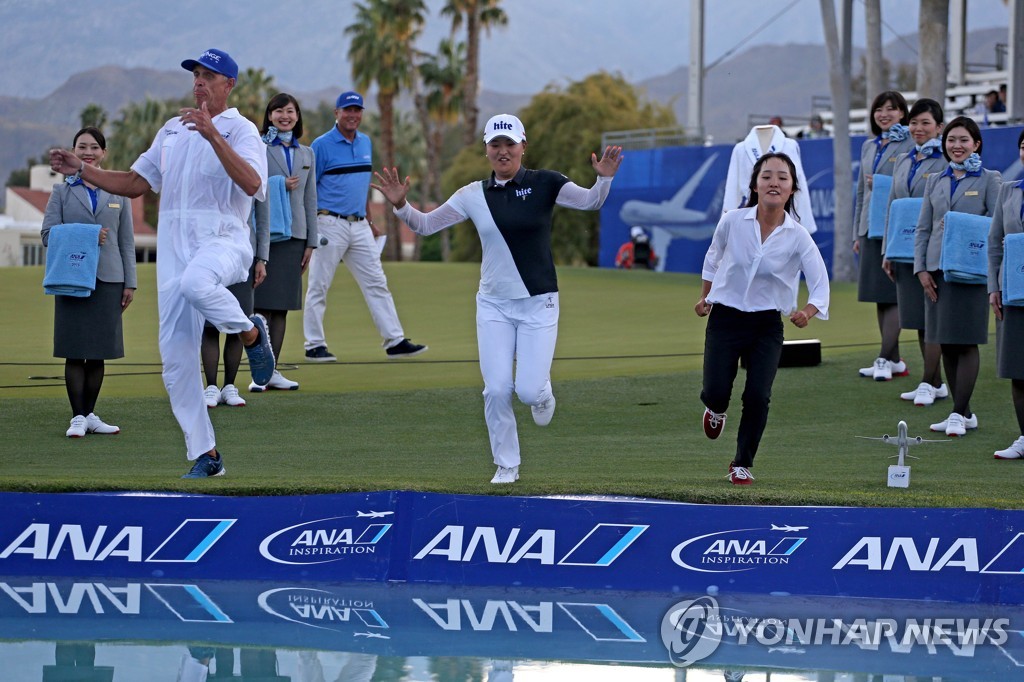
x=76, y=259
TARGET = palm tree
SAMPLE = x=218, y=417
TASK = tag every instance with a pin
x=438, y=109
x=478, y=15
x=253, y=89
x=381, y=54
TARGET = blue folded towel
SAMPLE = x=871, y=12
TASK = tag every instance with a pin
x=965, y=248
x=280, y=206
x=72, y=256
x=1013, y=269
x=880, y=187
x=899, y=239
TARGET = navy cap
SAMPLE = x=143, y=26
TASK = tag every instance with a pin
x=349, y=99
x=215, y=60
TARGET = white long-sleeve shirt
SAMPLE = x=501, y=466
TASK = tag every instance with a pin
x=514, y=224
x=750, y=276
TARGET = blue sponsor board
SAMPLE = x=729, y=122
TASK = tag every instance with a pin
x=963, y=555
x=675, y=193
x=794, y=633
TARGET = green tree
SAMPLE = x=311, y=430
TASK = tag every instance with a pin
x=381, y=54
x=564, y=126
x=478, y=15
x=20, y=177
x=93, y=115
x=253, y=89
x=438, y=107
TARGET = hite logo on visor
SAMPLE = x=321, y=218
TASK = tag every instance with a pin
x=502, y=125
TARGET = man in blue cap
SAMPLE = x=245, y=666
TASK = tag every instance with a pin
x=344, y=159
x=208, y=164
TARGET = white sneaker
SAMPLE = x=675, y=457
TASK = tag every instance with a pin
x=212, y=396
x=869, y=372
x=543, y=412
x=506, y=475
x=942, y=392
x=883, y=370
x=1015, y=451
x=94, y=424
x=956, y=425
x=925, y=394
x=969, y=423
x=229, y=396
x=898, y=368
x=77, y=428
x=279, y=383
x=910, y=395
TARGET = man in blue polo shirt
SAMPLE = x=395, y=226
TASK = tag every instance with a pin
x=343, y=169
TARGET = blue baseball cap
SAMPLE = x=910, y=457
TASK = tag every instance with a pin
x=215, y=60
x=349, y=99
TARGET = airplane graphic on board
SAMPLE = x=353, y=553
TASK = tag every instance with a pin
x=373, y=514
x=789, y=529
x=672, y=219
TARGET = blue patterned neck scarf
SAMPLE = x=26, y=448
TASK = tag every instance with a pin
x=930, y=147
x=275, y=136
x=972, y=164
x=897, y=133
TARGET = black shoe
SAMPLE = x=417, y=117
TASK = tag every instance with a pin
x=320, y=354
x=405, y=349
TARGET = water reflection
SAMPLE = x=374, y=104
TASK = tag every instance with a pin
x=63, y=630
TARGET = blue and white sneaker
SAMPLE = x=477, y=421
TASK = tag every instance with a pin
x=261, y=355
x=206, y=467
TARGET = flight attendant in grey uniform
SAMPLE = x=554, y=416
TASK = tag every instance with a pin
x=87, y=331
x=517, y=304
x=282, y=290
x=878, y=157
x=1008, y=219
x=955, y=314
x=908, y=180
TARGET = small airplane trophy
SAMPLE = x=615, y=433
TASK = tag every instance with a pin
x=899, y=473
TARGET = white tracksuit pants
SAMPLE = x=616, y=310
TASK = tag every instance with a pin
x=185, y=301
x=352, y=243
x=523, y=330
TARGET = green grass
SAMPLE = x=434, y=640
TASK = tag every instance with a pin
x=627, y=376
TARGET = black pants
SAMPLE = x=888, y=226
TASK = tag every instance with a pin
x=756, y=338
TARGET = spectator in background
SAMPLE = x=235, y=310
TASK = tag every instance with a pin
x=777, y=121
x=637, y=252
x=87, y=331
x=815, y=129
x=993, y=103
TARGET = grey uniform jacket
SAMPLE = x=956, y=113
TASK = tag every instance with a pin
x=976, y=195
x=901, y=174
x=69, y=204
x=886, y=165
x=303, y=198
x=1006, y=220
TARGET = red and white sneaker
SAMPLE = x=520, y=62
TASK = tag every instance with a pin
x=1015, y=451
x=713, y=423
x=740, y=475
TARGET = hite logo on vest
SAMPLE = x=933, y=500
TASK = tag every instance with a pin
x=600, y=547
x=186, y=544
x=521, y=193
x=324, y=540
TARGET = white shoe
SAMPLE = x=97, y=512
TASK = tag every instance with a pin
x=910, y=395
x=77, y=428
x=956, y=425
x=898, y=368
x=925, y=394
x=869, y=372
x=1015, y=451
x=279, y=383
x=229, y=396
x=506, y=475
x=212, y=396
x=942, y=392
x=969, y=423
x=94, y=424
x=543, y=412
x=883, y=370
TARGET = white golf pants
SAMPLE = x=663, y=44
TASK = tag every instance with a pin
x=522, y=331
x=352, y=243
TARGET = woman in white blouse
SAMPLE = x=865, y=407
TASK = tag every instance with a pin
x=751, y=275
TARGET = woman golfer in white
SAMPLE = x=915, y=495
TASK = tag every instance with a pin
x=517, y=304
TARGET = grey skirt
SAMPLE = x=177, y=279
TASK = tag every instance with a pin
x=243, y=292
x=89, y=328
x=909, y=296
x=282, y=288
x=873, y=285
x=960, y=316
x=1009, y=334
